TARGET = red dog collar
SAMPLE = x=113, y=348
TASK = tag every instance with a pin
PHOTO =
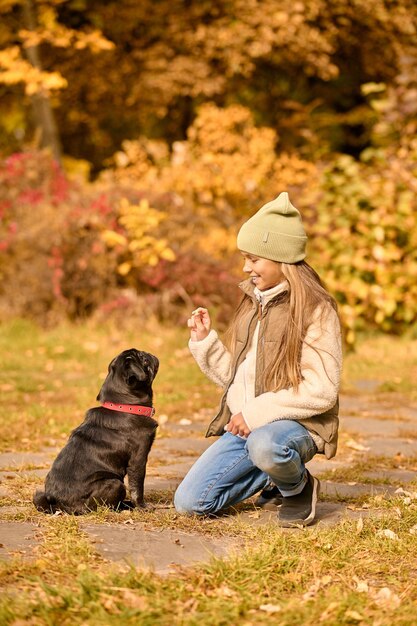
x=149, y=411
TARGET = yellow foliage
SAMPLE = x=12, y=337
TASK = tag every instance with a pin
x=139, y=244
x=15, y=69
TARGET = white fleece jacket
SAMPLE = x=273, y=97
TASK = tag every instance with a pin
x=321, y=361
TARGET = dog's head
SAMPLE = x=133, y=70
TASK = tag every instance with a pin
x=129, y=379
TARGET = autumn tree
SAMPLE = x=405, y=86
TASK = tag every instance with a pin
x=298, y=66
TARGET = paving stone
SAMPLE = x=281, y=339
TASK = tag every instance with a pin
x=373, y=426
x=12, y=474
x=156, y=550
x=156, y=483
x=353, y=490
x=16, y=536
x=319, y=463
x=20, y=459
x=392, y=447
x=178, y=445
x=393, y=475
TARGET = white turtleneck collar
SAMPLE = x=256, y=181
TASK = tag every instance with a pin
x=265, y=296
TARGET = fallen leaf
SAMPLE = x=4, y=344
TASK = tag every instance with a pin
x=270, y=608
x=354, y=445
x=413, y=530
x=354, y=615
x=387, y=599
x=134, y=600
x=224, y=590
x=389, y=534
x=184, y=422
x=361, y=585
x=329, y=610
x=359, y=525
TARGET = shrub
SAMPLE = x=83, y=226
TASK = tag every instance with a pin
x=52, y=259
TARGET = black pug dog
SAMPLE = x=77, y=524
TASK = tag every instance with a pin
x=113, y=440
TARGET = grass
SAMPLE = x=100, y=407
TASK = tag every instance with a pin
x=327, y=576
x=357, y=471
x=349, y=573
x=49, y=378
x=389, y=362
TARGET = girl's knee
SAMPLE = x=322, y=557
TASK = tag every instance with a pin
x=263, y=452
x=259, y=447
x=186, y=504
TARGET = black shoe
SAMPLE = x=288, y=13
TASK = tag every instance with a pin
x=300, y=510
x=269, y=498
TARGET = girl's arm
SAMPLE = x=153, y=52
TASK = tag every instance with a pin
x=210, y=353
x=321, y=362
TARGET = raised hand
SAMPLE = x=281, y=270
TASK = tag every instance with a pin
x=199, y=324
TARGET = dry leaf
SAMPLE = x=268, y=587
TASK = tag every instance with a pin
x=361, y=585
x=389, y=534
x=224, y=590
x=133, y=600
x=329, y=610
x=184, y=422
x=254, y=515
x=270, y=608
x=318, y=584
x=354, y=445
x=359, y=525
x=387, y=599
x=413, y=530
x=354, y=616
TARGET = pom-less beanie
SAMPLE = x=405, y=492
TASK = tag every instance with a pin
x=275, y=232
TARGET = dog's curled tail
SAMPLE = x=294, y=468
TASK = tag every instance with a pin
x=44, y=503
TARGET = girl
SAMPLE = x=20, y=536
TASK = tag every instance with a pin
x=280, y=374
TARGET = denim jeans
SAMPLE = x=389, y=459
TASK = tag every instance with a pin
x=233, y=468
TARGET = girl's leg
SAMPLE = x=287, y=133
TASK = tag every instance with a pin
x=221, y=477
x=281, y=449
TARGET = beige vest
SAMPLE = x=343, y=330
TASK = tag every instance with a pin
x=269, y=340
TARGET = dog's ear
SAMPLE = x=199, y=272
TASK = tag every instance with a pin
x=153, y=365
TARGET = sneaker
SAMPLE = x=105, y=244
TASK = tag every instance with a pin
x=270, y=498
x=300, y=510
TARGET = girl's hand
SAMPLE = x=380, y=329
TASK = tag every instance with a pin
x=238, y=426
x=199, y=324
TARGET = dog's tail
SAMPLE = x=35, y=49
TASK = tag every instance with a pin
x=44, y=503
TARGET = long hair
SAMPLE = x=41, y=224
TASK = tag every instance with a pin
x=306, y=294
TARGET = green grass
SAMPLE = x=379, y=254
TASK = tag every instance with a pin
x=48, y=379
x=390, y=362
x=349, y=573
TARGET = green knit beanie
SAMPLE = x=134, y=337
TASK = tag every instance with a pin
x=275, y=232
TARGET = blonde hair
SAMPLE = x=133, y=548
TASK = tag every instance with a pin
x=307, y=295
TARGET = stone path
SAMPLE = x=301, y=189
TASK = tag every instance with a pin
x=371, y=426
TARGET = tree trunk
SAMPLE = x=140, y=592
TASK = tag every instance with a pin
x=42, y=110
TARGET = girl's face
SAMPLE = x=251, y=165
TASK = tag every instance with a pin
x=264, y=273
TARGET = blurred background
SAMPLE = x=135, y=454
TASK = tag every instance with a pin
x=136, y=136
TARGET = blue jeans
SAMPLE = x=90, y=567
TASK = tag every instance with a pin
x=233, y=469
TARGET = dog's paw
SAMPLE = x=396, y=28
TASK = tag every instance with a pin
x=145, y=506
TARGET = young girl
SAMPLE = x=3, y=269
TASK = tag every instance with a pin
x=280, y=374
